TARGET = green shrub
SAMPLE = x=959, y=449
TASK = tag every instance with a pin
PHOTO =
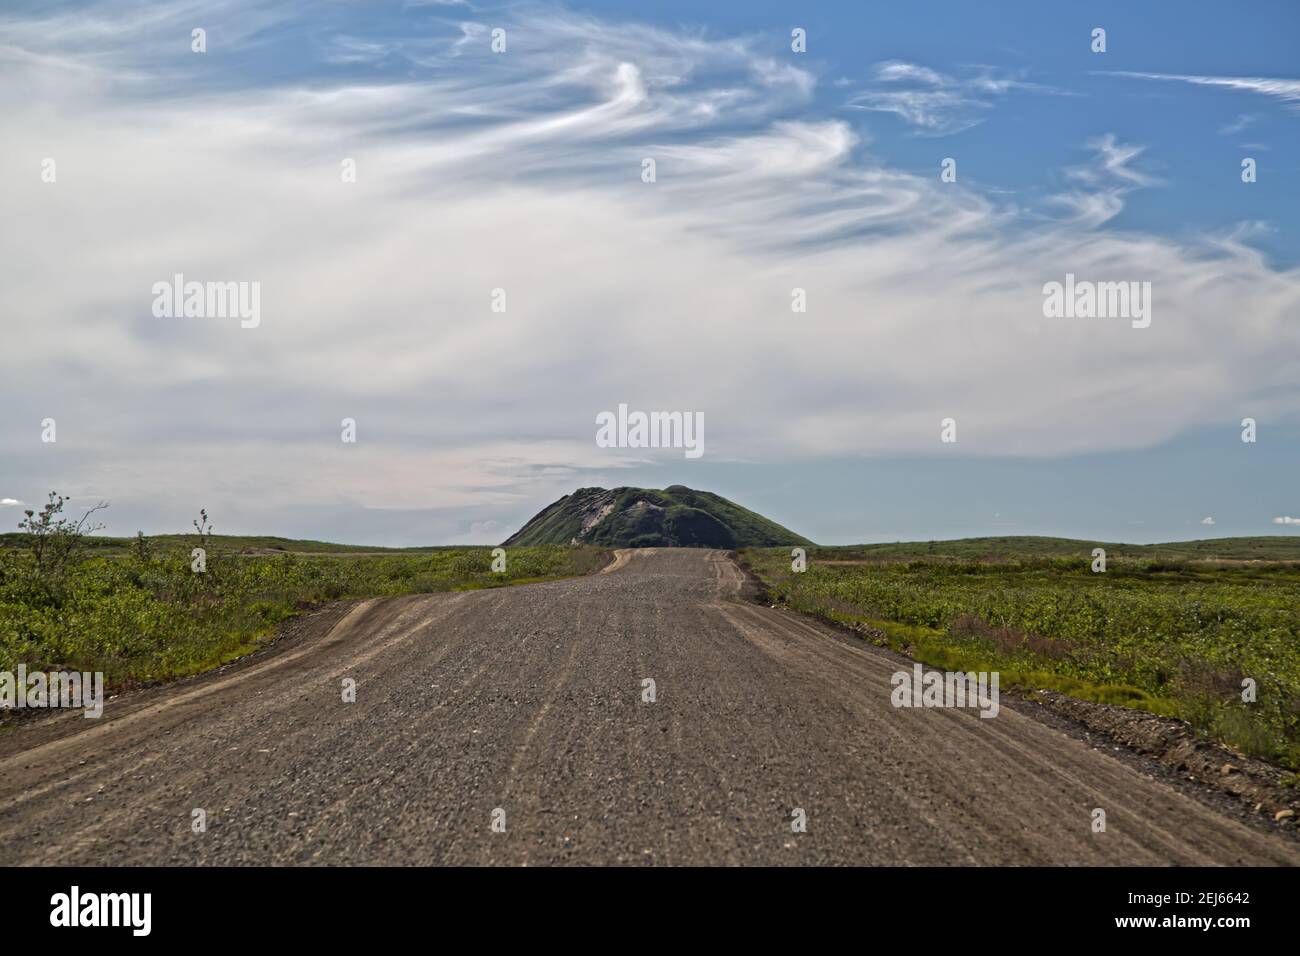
x=1180, y=636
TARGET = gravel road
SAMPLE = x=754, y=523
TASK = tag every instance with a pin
x=528, y=700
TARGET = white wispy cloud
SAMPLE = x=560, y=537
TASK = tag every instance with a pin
x=1286, y=520
x=938, y=103
x=1102, y=184
x=1207, y=520
x=1286, y=90
x=1236, y=126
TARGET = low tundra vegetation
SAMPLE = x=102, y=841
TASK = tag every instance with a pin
x=1181, y=638
x=139, y=612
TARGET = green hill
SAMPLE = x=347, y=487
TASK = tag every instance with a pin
x=676, y=517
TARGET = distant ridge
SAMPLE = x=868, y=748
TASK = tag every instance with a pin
x=1261, y=548
x=675, y=517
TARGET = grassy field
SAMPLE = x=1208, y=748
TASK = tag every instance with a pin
x=138, y=613
x=1268, y=548
x=1173, y=629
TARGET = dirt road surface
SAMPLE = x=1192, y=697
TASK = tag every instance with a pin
x=529, y=700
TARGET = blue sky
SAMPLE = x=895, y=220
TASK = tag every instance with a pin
x=1194, y=137
x=776, y=170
